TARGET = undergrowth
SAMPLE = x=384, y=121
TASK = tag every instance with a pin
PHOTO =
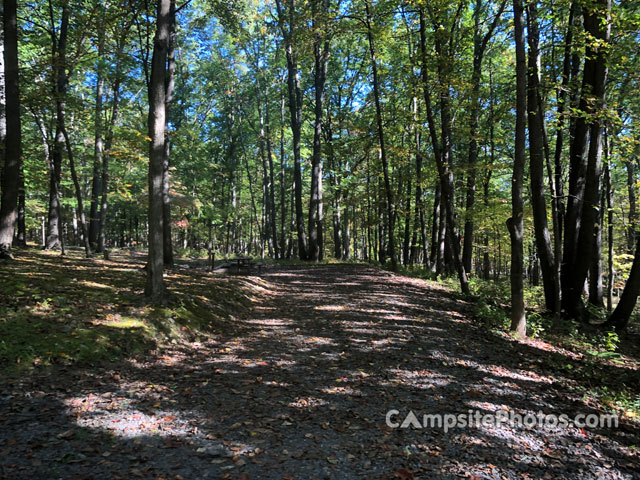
x=56, y=310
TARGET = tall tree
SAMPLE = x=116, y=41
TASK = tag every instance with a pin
x=445, y=46
x=480, y=42
x=536, y=164
x=60, y=76
x=586, y=153
x=391, y=220
x=167, y=246
x=13, y=140
x=515, y=222
x=288, y=25
x=96, y=187
x=155, y=288
x=320, y=25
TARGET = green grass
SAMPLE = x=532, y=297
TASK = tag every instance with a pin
x=56, y=310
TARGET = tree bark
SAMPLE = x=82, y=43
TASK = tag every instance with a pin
x=480, y=43
x=583, y=207
x=381, y=140
x=78, y=192
x=596, y=293
x=515, y=223
x=21, y=237
x=96, y=187
x=320, y=9
x=536, y=166
x=620, y=316
x=609, y=196
x=167, y=245
x=61, y=79
x=287, y=26
x=155, y=288
x=13, y=141
x=631, y=190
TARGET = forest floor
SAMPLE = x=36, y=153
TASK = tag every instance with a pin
x=295, y=384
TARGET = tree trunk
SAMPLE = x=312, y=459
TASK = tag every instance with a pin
x=283, y=185
x=94, y=219
x=13, y=141
x=631, y=190
x=21, y=237
x=536, y=166
x=167, y=245
x=381, y=141
x=444, y=153
x=609, y=196
x=295, y=110
x=620, y=316
x=61, y=79
x=581, y=216
x=155, y=289
x=320, y=11
x=78, y=191
x=596, y=294
x=479, y=46
x=515, y=223
x=562, y=103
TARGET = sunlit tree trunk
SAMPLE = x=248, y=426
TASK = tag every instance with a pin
x=155, y=288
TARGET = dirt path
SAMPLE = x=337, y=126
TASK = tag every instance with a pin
x=301, y=389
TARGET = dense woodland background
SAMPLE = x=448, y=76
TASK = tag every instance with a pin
x=475, y=139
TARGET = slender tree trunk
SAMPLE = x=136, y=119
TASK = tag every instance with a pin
x=596, y=294
x=320, y=9
x=486, y=260
x=295, y=110
x=515, y=223
x=61, y=79
x=562, y=100
x=631, y=190
x=536, y=167
x=609, y=196
x=381, y=140
x=78, y=191
x=21, y=237
x=283, y=185
x=406, y=244
x=620, y=316
x=446, y=175
x=479, y=46
x=167, y=245
x=13, y=141
x=271, y=190
x=94, y=219
x=3, y=113
x=155, y=288
x=443, y=152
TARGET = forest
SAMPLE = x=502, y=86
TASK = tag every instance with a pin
x=393, y=133
x=488, y=149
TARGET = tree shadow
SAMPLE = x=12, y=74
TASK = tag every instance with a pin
x=301, y=386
